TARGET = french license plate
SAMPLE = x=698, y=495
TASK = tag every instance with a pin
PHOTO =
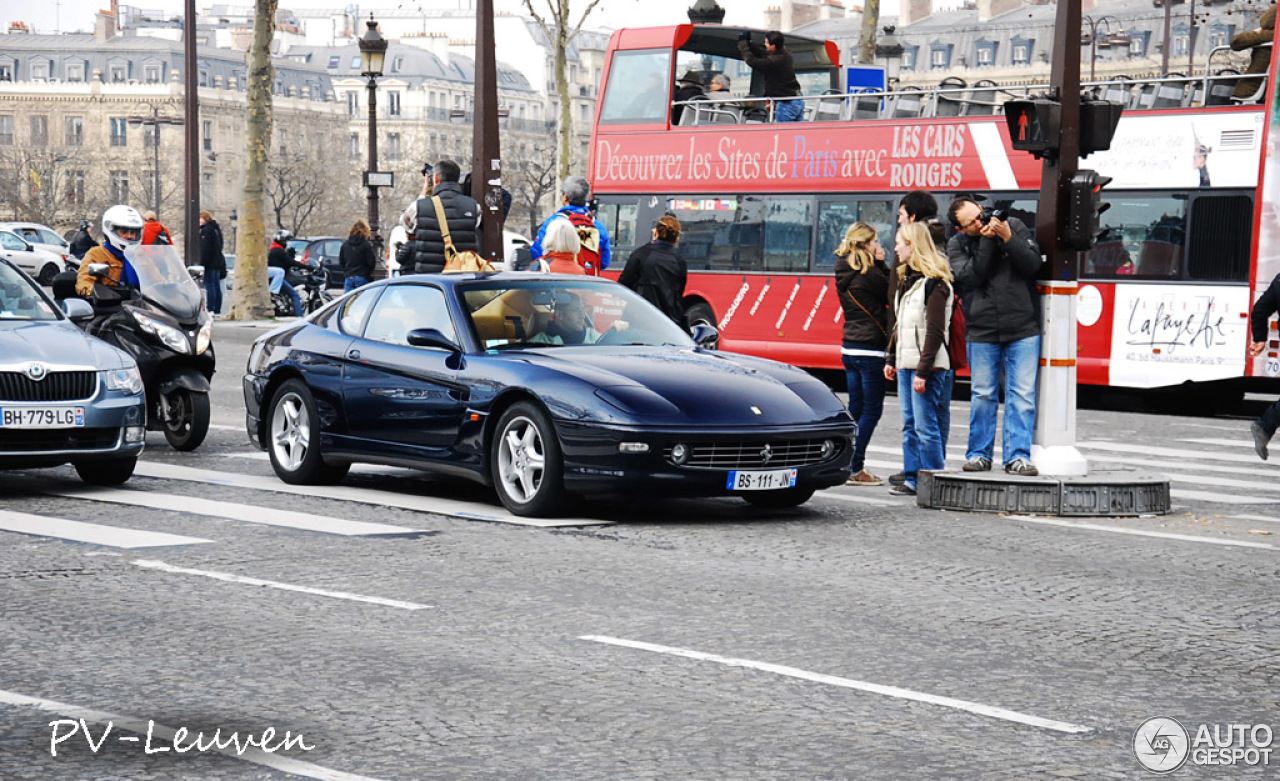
x=41, y=417
x=770, y=480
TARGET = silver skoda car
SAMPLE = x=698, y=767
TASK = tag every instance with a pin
x=65, y=397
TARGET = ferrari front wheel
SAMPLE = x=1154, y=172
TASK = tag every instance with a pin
x=527, y=463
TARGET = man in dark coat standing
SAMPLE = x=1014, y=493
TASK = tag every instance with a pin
x=83, y=241
x=657, y=272
x=1268, y=304
x=424, y=252
x=215, y=264
x=774, y=63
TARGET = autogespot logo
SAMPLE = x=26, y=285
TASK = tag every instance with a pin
x=1161, y=744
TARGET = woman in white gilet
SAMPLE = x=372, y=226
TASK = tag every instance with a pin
x=917, y=353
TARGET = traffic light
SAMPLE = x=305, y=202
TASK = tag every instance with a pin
x=1098, y=120
x=1084, y=208
x=1034, y=125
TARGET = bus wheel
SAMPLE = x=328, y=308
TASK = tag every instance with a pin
x=701, y=314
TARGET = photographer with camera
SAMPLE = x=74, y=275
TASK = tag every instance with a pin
x=995, y=262
x=773, y=62
x=424, y=253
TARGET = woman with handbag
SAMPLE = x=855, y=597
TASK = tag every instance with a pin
x=862, y=282
x=917, y=355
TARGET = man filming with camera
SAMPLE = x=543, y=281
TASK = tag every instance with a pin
x=995, y=262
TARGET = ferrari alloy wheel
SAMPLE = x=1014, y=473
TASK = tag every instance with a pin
x=293, y=438
x=528, y=470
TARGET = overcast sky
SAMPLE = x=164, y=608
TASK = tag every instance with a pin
x=50, y=16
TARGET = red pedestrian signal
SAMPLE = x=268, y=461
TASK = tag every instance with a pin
x=1034, y=125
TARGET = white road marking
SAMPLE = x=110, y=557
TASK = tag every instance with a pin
x=427, y=504
x=1200, y=466
x=92, y=533
x=858, y=499
x=1263, y=518
x=363, y=469
x=848, y=683
x=1140, y=533
x=1212, y=496
x=228, y=577
x=1245, y=442
x=238, y=512
x=222, y=427
x=139, y=726
x=1168, y=452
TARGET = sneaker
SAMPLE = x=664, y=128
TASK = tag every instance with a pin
x=1260, y=439
x=1021, y=466
x=977, y=464
x=898, y=479
x=863, y=478
x=902, y=490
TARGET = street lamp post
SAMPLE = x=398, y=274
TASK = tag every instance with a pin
x=373, y=51
x=889, y=49
x=154, y=121
x=234, y=217
x=1093, y=25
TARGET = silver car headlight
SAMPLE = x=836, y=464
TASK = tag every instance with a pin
x=205, y=336
x=128, y=380
x=172, y=338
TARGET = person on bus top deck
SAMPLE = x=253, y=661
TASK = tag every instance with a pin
x=774, y=63
x=595, y=254
x=688, y=88
x=995, y=263
x=1264, y=428
x=121, y=229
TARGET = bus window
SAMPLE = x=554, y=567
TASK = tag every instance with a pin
x=639, y=87
x=1144, y=237
x=619, y=218
x=711, y=237
x=1221, y=232
x=788, y=230
x=834, y=219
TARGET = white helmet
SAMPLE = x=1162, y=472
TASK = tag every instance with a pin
x=118, y=217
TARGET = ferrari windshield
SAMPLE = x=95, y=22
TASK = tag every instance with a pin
x=19, y=299
x=565, y=311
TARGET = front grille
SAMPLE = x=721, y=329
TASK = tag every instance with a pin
x=39, y=440
x=752, y=455
x=56, y=386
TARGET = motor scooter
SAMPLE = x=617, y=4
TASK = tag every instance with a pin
x=312, y=287
x=162, y=322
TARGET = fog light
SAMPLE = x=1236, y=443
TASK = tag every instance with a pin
x=134, y=434
x=680, y=454
x=828, y=448
x=633, y=447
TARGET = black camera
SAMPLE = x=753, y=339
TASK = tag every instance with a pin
x=428, y=169
x=988, y=212
x=593, y=205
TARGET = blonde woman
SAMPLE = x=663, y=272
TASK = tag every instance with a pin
x=560, y=245
x=918, y=356
x=862, y=282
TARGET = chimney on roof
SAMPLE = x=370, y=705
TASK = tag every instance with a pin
x=989, y=9
x=912, y=11
x=104, y=25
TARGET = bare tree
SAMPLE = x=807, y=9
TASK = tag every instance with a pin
x=252, y=299
x=42, y=184
x=295, y=189
x=867, y=35
x=531, y=175
x=555, y=25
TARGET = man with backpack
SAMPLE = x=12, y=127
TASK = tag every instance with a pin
x=595, y=253
x=443, y=216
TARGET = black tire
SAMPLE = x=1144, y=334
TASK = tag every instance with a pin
x=185, y=416
x=106, y=472
x=526, y=462
x=293, y=438
x=774, y=500
x=47, y=273
x=702, y=314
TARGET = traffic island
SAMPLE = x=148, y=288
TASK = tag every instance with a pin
x=1102, y=493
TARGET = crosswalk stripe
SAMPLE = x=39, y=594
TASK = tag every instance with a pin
x=1263, y=518
x=1212, y=496
x=1168, y=452
x=428, y=504
x=92, y=533
x=267, y=516
x=856, y=499
x=1245, y=442
x=1140, y=533
x=227, y=577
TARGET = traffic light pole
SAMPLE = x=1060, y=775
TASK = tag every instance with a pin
x=1054, y=447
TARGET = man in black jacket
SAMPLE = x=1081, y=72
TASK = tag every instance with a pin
x=1268, y=304
x=215, y=264
x=83, y=240
x=280, y=256
x=995, y=262
x=424, y=252
x=774, y=63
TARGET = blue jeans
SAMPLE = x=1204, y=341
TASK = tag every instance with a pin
x=293, y=293
x=921, y=439
x=944, y=414
x=1020, y=363
x=213, y=290
x=865, y=377
x=788, y=110
x=351, y=283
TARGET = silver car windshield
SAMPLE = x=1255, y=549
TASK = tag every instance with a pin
x=560, y=311
x=19, y=299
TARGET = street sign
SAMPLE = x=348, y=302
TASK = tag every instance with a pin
x=379, y=179
x=1034, y=125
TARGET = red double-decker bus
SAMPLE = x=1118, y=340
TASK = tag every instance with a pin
x=1164, y=296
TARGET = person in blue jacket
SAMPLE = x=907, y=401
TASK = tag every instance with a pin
x=595, y=254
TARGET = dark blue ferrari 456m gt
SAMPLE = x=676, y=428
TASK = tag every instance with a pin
x=542, y=386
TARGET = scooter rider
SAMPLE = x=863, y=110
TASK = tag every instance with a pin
x=121, y=229
x=281, y=257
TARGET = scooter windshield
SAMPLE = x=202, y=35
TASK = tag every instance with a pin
x=163, y=279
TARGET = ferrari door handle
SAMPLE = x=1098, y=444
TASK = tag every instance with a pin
x=354, y=355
